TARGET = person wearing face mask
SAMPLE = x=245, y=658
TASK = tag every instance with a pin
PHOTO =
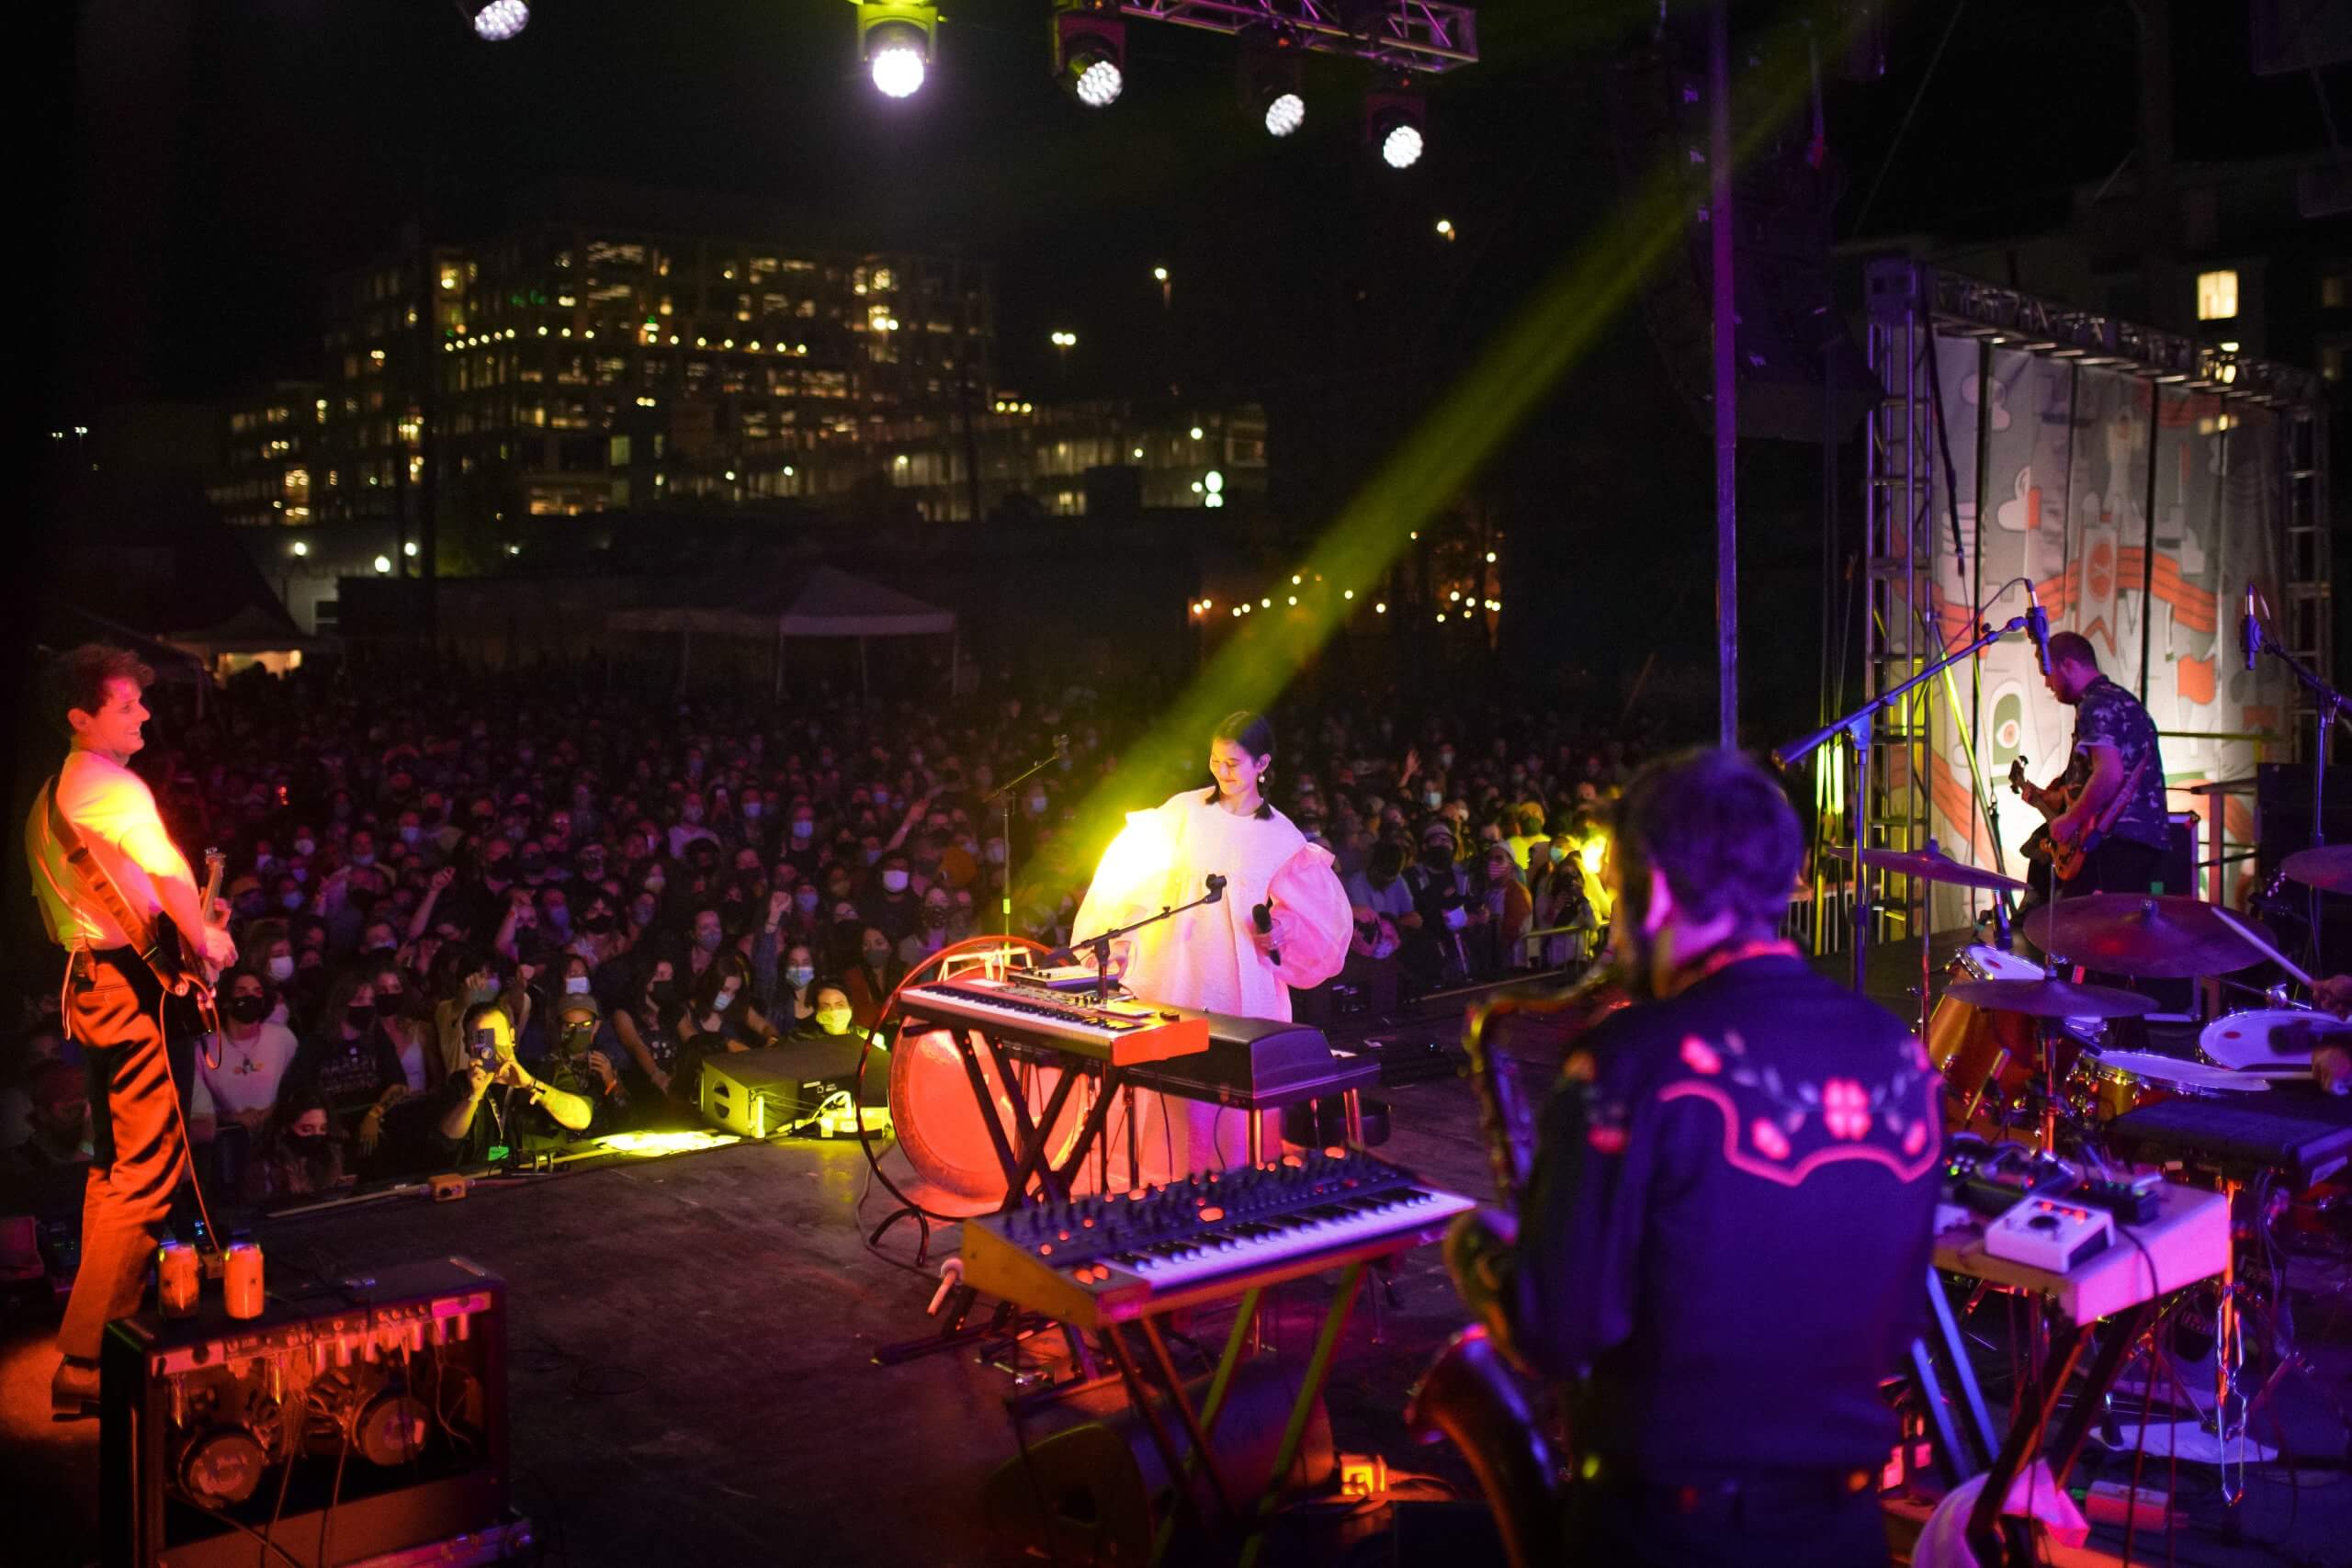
x=796, y=995
x=893, y=906
x=874, y=974
x=301, y=1155
x=720, y=1014
x=1445, y=916
x=933, y=933
x=645, y=1025
x=351, y=1062
x=1220, y=958
x=1741, y=1096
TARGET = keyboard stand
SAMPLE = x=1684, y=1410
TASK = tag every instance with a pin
x=1024, y=1154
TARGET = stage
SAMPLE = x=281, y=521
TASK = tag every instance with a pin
x=692, y=1378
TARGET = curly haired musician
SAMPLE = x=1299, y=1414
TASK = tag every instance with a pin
x=1725, y=1240
x=114, y=1005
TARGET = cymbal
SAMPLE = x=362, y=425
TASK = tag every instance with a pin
x=2150, y=935
x=2327, y=868
x=2050, y=998
x=1931, y=864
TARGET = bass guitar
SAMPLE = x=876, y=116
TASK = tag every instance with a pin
x=2066, y=857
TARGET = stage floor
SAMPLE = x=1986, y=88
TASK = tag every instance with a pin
x=691, y=1375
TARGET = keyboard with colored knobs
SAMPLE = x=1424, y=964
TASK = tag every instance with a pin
x=1111, y=1257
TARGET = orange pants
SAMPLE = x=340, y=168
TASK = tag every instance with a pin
x=116, y=1009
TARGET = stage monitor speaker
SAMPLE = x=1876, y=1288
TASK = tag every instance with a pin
x=1094, y=1491
x=343, y=1423
x=756, y=1094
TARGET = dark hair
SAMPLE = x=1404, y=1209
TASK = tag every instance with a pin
x=1253, y=732
x=77, y=679
x=2072, y=648
x=1719, y=828
x=726, y=966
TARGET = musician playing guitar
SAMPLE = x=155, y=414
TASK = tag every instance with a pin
x=102, y=871
x=2112, y=793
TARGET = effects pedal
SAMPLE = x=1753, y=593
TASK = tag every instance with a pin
x=2132, y=1202
x=2045, y=1232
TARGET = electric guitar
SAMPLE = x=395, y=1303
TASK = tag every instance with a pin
x=2065, y=858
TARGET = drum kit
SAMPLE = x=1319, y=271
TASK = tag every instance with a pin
x=2023, y=1049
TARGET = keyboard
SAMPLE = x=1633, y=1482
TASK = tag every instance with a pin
x=1109, y=1258
x=1122, y=1032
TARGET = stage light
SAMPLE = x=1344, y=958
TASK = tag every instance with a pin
x=495, y=21
x=1395, y=121
x=1273, y=63
x=1090, y=52
x=896, y=39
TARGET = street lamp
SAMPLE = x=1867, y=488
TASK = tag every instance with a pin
x=1166, y=287
x=1063, y=342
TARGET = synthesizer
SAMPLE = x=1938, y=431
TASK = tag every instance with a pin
x=1123, y=1031
x=1109, y=1258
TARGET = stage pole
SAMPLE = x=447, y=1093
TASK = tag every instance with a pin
x=1719, y=176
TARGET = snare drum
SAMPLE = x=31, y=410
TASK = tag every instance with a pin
x=1985, y=1058
x=2271, y=1037
x=2105, y=1084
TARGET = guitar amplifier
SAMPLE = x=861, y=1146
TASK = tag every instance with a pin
x=344, y=1425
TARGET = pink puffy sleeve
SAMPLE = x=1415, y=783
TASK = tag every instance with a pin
x=1313, y=907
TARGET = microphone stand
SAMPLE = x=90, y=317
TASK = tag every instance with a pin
x=1855, y=726
x=1001, y=797
x=2328, y=709
x=1099, y=947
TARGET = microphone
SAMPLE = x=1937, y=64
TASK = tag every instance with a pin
x=1215, y=884
x=2037, y=626
x=1263, y=917
x=1061, y=747
x=2250, y=630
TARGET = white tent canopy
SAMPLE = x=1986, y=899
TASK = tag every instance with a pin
x=828, y=603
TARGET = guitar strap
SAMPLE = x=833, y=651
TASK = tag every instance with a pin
x=92, y=877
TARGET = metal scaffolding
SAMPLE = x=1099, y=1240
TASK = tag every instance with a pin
x=1910, y=306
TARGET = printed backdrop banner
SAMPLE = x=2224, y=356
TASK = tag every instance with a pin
x=2148, y=561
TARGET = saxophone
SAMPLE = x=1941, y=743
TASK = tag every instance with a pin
x=1475, y=1393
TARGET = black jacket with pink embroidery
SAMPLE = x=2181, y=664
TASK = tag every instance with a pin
x=1727, y=1231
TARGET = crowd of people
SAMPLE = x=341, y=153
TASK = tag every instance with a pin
x=476, y=913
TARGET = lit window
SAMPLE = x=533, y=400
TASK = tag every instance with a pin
x=2217, y=295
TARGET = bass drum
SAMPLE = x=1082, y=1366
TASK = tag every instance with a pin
x=1985, y=1058
x=938, y=1125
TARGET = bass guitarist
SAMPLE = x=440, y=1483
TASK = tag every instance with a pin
x=2114, y=782
x=103, y=870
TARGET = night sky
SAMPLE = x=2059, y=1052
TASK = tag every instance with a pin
x=221, y=157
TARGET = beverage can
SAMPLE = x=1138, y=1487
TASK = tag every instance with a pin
x=176, y=1273
x=241, y=1282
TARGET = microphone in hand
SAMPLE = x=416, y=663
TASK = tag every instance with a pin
x=1262, y=916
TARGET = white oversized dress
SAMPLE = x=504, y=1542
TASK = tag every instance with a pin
x=1205, y=958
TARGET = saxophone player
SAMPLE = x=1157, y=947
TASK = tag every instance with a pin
x=1723, y=1241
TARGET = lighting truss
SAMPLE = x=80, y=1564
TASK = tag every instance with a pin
x=1402, y=35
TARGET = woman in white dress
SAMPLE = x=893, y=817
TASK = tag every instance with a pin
x=1216, y=958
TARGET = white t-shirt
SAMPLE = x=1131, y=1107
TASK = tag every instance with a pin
x=248, y=1075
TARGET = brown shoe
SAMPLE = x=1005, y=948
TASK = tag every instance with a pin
x=73, y=1392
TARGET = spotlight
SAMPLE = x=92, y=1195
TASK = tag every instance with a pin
x=1090, y=52
x=495, y=21
x=896, y=38
x=1396, y=119
x=1272, y=65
